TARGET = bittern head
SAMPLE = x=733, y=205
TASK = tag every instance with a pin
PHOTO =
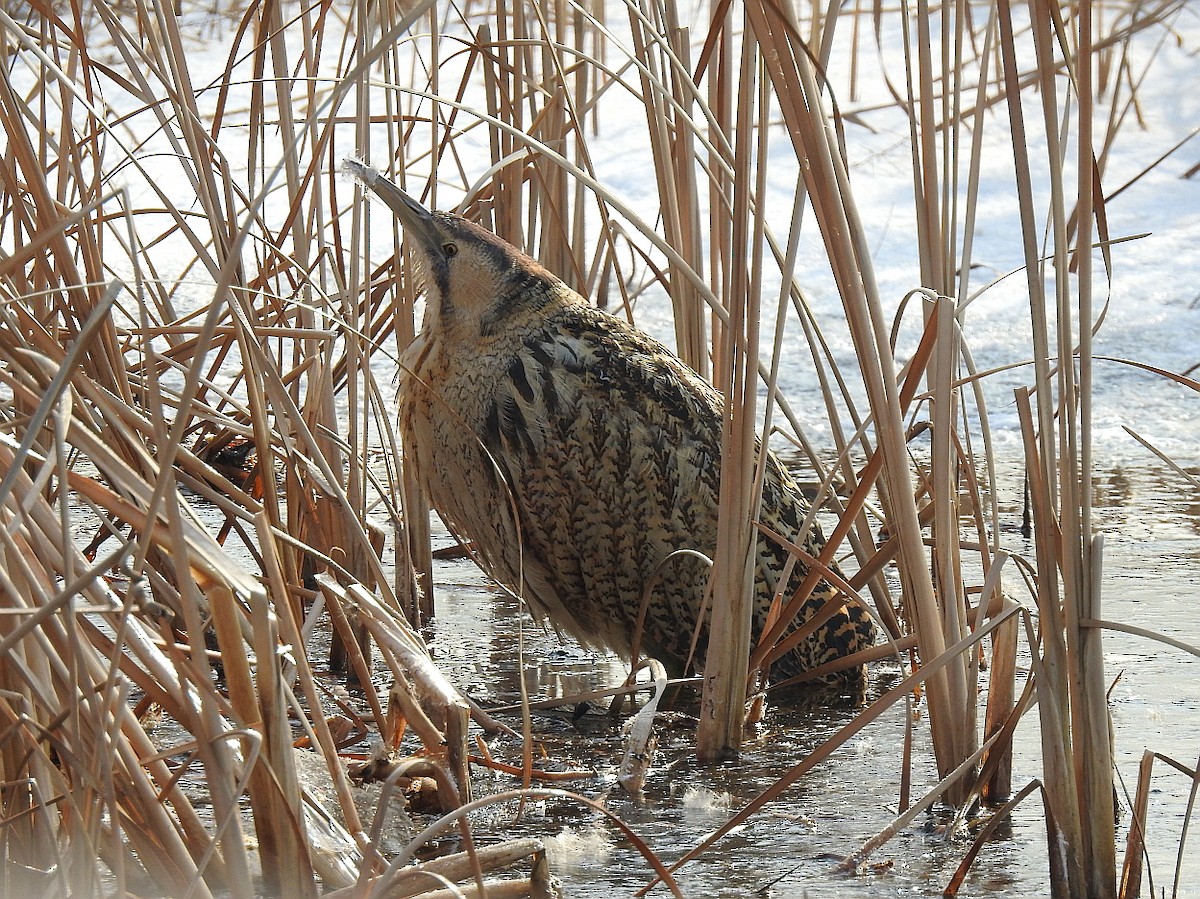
x=473, y=279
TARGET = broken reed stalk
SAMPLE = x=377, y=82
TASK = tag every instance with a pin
x=1131, y=871
x=1135, y=845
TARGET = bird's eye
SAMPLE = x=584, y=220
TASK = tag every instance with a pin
x=450, y=249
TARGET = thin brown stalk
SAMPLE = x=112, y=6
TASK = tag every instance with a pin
x=731, y=579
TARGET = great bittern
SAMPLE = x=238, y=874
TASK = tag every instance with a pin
x=576, y=453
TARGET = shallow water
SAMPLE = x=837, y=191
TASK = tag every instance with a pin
x=1151, y=519
x=1152, y=527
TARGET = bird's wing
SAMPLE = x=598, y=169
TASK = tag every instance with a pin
x=611, y=448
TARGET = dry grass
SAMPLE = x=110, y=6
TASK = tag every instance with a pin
x=181, y=269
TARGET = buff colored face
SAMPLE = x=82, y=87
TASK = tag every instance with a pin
x=473, y=280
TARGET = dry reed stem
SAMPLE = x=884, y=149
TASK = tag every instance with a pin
x=731, y=578
x=799, y=95
x=1131, y=870
x=864, y=481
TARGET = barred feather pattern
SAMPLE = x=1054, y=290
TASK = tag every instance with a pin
x=576, y=453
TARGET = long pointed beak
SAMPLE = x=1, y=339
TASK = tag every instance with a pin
x=416, y=220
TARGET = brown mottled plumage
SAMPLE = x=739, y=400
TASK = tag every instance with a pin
x=574, y=450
